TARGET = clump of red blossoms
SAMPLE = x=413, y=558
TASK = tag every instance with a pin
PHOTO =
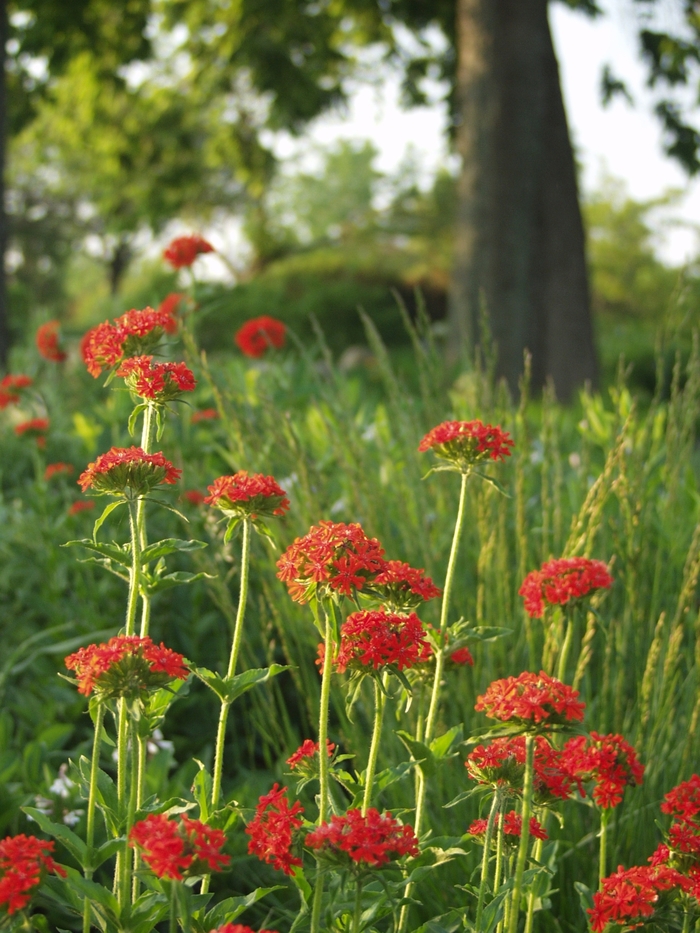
x=10, y=386
x=172, y=848
x=512, y=828
x=464, y=443
x=193, y=496
x=245, y=495
x=502, y=764
x=24, y=860
x=337, y=556
x=630, y=896
x=558, y=582
x=81, y=505
x=683, y=801
x=272, y=830
x=238, y=928
x=608, y=760
x=379, y=639
x=370, y=840
x=157, y=382
x=256, y=336
x=133, y=334
x=461, y=657
x=47, y=342
x=171, y=303
x=307, y=752
x=401, y=587
x=126, y=665
x=57, y=469
x=531, y=699
x=36, y=428
x=127, y=468
x=183, y=250
x=204, y=414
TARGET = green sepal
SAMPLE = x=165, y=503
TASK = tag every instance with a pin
x=75, y=845
x=107, y=511
x=229, y=689
x=169, y=546
x=131, y=424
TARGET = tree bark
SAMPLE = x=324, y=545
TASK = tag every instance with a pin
x=4, y=323
x=519, y=244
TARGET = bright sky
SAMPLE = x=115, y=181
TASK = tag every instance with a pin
x=622, y=140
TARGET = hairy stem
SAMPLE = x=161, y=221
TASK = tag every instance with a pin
x=379, y=702
x=146, y=438
x=530, y=919
x=92, y=794
x=135, y=571
x=492, y=821
x=565, y=648
x=141, y=748
x=524, y=833
x=121, y=872
x=357, y=913
x=602, y=852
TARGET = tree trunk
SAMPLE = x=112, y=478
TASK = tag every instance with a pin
x=519, y=243
x=4, y=324
x=118, y=263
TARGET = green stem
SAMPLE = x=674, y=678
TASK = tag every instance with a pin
x=499, y=856
x=92, y=795
x=135, y=571
x=323, y=758
x=122, y=752
x=172, y=921
x=494, y=814
x=142, y=748
x=146, y=438
x=686, y=921
x=602, y=856
x=379, y=702
x=565, y=648
x=357, y=913
x=524, y=832
x=530, y=919
x=439, y=666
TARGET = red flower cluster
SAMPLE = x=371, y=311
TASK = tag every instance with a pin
x=132, y=334
x=402, y=587
x=272, y=829
x=608, y=760
x=563, y=580
x=461, y=656
x=531, y=699
x=306, y=752
x=124, y=468
x=683, y=804
x=465, y=443
x=23, y=862
x=238, y=928
x=259, y=334
x=380, y=639
x=630, y=896
x=9, y=386
x=334, y=554
x=204, y=414
x=81, y=505
x=36, y=428
x=172, y=848
x=183, y=250
x=247, y=495
x=512, y=827
x=158, y=382
x=56, y=469
x=47, y=342
x=124, y=666
x=193, y=496
x=503, y=763
x=171, y=303
x=373, y=839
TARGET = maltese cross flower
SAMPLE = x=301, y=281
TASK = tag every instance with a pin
x=183, y=250
x=466, y=443
x=127, y=472
x=125, y=666
x=156, y=382
x=174, y=848
x=368, y=841
x=561, y=581
x=535, y=701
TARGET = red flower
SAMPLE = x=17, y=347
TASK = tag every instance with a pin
x=238, y=928
x=608, y=760
x=683, y=801
x=204, y=414
x=81, y=505
x=379, y=639
x=24, y=860
x=332, y=554
x=8, y=388
x=125, y=666
x=124, y=468
x=402, y=587
x=512, y=828
x=36, y=428
x=307, y=752
x=461, y=656
x=563, y=580
x=373, y=839
x=56, y=469
x=47, y=342
x=132, y=334
x=159, y=382
x=502, y=763
x=193, y=496
x=259, y=334
x=465, y=443
x=630, y=896
x=272, y=829
x=171, y=303
x=171, y=848
x=183, y=250
x=531, y=699
x=247, y=495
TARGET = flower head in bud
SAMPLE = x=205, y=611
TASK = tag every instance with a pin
x=156, y=382
x=125, y=666
x=465, y=443
x=128, y=472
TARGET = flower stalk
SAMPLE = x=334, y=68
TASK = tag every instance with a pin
x=494, y=818
x=146, y=438
x=379, y=703
x=92, y=798
x=602, y=852
x=528, y=783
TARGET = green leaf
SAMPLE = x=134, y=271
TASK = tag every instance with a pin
x=231, y=908
x=107, y=564
x=493, y=482
x=169, y=546
x=101, y=520
x=487, y=633
x=60, y=831
x=147, y=911
x=201, y=788
x=231, y=528
x=444, y=744
x=131, y=425
x=229, y=689
x=120, y=554
x=421, y=753
x=178, y=578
